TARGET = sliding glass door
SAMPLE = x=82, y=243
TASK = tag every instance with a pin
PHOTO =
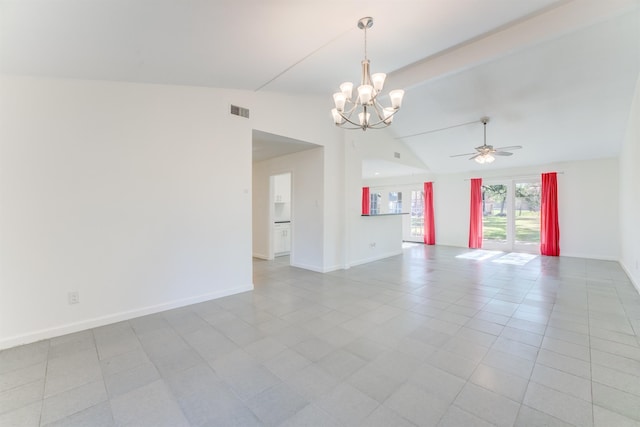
x=511, y=215
x=527, y=216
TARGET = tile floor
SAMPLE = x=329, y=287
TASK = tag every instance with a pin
x=426, y=339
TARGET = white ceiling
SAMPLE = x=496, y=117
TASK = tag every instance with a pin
x=556, y=77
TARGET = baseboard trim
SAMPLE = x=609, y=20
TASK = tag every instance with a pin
x=597, y=258
x=627, y=270
x=307, y=267
x=95, y=322
x=375, y=258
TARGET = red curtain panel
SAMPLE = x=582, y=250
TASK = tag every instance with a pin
x=549, y=228
x=475, y=221
x=429, y=220
x=365, y=200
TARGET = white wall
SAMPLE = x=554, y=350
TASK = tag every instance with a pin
x=136, y=196
x=630, y=194
x=362, y=232
x=308, y=119
x=307, y=193
x=588, y=204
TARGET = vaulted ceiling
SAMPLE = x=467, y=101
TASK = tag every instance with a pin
x=556, y=77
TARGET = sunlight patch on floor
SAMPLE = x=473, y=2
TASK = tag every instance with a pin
x=515, y=258
x=498, y=257
x=479, y=254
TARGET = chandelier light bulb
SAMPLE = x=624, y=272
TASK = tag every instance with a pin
x=365, y=93
x=396, y=98
x=347, y=89
x=339, y=100
x=489, y=158
x=480, y=159
x=378, y=81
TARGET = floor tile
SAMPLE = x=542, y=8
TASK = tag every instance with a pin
x=71, y=371
x=605, y=418
x=123, y=362
x=312, y=382
x=347, y=404
x=23, y=356
x=95, y=416
x=276, y=404
x=437, y=382
x=287, y=363
x=25, y=416
x=618, y=401
x=487, y=405
x=416, y=405
x=384, y=417
x=313, y=348
x=456, y=417
x=206, y=400
x=500, y=382
x=152, y=404
x=529, y=417
x=340, y=363
x=125, y=381
x=561, y=381
x=311, y=416
x=560, y=405
x=22, y=376
x=564, y=363
x=20, y=396
x=420, y=339
x=373, y=383
x=616, y=379
x=72, y=401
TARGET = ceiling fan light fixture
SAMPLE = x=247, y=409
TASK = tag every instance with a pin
x=366, y=105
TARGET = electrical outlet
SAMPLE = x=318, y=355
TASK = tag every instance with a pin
x=74, y=297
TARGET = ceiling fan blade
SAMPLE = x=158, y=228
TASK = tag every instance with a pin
x=513, y=147
x=473, y=157
x=461, y=155
x=502, y=153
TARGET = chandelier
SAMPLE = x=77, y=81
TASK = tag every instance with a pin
x=369, y=112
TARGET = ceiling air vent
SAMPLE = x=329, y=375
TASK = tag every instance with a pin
x=396, y=154
x=239, y=111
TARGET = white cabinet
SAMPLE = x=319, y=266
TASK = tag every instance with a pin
x=282, y=188
x=281, y=238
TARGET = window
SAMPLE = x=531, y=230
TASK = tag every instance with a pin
x=494, y=212
x=395, y=202
x=374, y=205
x=527, y=213
x=417, y=214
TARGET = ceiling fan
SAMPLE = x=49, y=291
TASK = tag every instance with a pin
x=485, y=153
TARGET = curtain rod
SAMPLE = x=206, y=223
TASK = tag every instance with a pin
x=514, y=176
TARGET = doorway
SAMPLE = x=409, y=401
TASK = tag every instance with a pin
x=511, y=215
x=280, y=213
